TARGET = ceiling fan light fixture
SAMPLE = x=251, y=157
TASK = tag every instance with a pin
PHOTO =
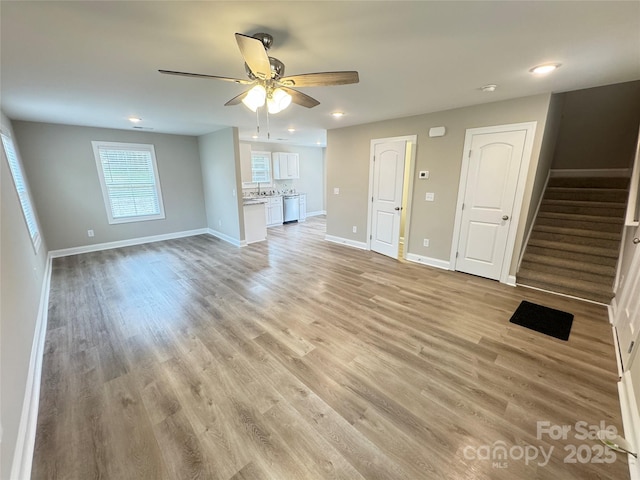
x=255, y=98
x=278, y=101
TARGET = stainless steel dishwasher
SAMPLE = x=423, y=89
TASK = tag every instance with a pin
x=291, y=208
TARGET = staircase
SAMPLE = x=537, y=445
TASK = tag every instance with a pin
x=574, y=245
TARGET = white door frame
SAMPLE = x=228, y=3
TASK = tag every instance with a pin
x=530, y=127
x=411, y=140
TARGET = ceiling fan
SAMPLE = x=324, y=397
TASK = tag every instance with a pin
x=266, y=75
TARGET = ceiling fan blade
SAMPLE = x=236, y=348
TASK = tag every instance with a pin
x=200, y=75
x=237, y=99
x=254, y=55
x=320, y=79
x=300, y=98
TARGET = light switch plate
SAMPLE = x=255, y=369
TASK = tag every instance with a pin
x=336, y=190
x=430, y=196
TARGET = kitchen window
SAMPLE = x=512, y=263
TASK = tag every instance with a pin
x=261, y=167
x=129, y=179
x=23, y=191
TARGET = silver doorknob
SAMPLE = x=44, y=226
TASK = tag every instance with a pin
x=636, y=241
x=505, y=217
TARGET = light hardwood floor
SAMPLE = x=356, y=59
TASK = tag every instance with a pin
x=298, y=359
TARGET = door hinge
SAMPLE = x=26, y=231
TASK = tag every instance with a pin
x=463, y=206
x=631, y=346
x=457, y=254
x=371, y=199
x=469, y=153
x=374, y=158
x=370, y=237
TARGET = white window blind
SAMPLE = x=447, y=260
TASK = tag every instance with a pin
x=129, y=179
x=260, y=167
x=21, y=187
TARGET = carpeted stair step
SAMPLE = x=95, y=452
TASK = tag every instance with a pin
x=572, y=255
x=557, y=271
x=562, y=247
x=604, y=209
x=583, y=264
x=606, y=243
x=578, y=232
x=586, y=194
x=583, y=222
x=568, y=286
x=589, y=182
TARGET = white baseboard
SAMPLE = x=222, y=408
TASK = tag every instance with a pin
x=511, y=280
x=315, y=214
x=227, y=238
x=346, y=241
x=25, y=443
x=125, y=243
x=590, y=172
x=432, y=262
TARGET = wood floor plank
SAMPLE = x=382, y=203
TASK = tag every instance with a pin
x=301, y=359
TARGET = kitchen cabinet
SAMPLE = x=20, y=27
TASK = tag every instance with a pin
x=255, y=227
x=303, y=207
x=274, y=214
x=286, y=165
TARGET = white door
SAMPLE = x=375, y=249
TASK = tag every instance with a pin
x=388, y=176
x=491, y=170
x=627, y=319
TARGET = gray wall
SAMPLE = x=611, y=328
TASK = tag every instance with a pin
x=21, y=280
x=220, y=161
x=599, y=127
x=61, y=168
x=312, y=172
x=347, y=159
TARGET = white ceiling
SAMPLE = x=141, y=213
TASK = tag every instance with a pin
x=95, y=63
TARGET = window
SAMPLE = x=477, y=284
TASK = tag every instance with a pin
x=129, y=179
x=23, y=192
x=261, y=167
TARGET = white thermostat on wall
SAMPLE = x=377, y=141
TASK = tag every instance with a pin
x=437, y=131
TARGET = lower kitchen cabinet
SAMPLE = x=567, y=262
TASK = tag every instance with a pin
x=303, y=207
x=274, y=213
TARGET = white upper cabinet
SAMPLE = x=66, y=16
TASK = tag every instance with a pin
x=286, y=165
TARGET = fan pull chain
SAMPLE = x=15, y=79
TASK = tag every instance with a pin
x=268, y=128
x=257, y=122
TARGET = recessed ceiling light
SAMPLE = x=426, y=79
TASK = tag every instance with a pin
x=337, y=114
x=489, y=88
x=545, y=68
x=318, y=142
x=135, y=119
x=291, y=130
x=254, y=136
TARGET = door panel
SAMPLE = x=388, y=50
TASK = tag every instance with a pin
x=627, y=320
x=492, y=173
x=388, y=175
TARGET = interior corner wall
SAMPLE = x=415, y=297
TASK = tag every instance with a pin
x=21, y=282
x=61, y=168
x=599, y=127
x=221, y=178
x=348, y=170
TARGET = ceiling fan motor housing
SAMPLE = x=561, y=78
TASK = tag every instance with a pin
x=265, y=38
x=277, y=69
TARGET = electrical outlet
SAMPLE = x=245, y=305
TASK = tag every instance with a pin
x=219, y=223
x=425, y=242
x=424, y=174
x=90, y=233
x=429, y=196
x=336, y=191
x=355, y=229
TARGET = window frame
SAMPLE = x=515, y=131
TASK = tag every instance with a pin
x=97, y=145
x=24, y=196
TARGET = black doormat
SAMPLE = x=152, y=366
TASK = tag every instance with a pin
x=549, y=321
